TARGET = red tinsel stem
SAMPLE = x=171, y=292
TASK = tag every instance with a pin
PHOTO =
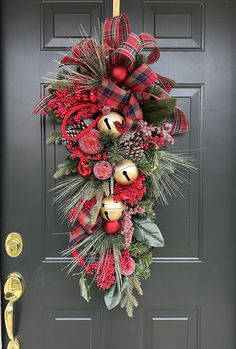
x=71, y=112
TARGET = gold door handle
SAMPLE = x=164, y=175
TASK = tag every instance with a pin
x=13, y=290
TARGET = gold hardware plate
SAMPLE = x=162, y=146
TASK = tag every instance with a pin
x=14, y=244
x=14, y=344
x=14, y=288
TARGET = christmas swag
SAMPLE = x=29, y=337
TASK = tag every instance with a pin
x=117, y=121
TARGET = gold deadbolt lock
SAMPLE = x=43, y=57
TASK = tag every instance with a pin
x=14, y=244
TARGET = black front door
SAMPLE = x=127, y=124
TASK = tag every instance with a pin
x=189, y=301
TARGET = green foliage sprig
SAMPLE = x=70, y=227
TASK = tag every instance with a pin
x=69, y=166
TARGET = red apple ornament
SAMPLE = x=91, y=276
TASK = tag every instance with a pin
x=90, y=143
x=111, y=227
x=119, y=74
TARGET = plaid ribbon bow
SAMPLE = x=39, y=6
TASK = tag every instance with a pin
x=124, y=45
x=128, y=97
x=120, y=45
x=84, y=228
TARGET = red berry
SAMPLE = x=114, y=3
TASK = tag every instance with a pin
x=111, y=228
x=85, y=97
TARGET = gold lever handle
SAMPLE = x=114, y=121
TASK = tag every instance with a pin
x=13, y=290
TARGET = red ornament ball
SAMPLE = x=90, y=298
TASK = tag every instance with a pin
x=111, y=228
x=119, y=73
x=84, y=169
x=90, y=142
x=102, y=170
x=93, y=96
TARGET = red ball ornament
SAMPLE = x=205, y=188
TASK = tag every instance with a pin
x=90, y=142
x=93, y=96
x=84, y=169
x=111, y=228
x=119, y=74
x=102, y=170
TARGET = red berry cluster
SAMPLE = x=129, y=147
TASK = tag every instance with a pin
x=158, y=141
x=65, y=100
x=132, y=193
x=104, y=270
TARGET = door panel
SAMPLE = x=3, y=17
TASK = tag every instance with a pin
x=189, y=300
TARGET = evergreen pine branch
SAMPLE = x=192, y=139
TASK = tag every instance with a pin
x=149, y=206
x=169, y=171
x=143, y=256
x=129, y=301
x=155, y=90
x=137, y=284
x=106, y=187
x=72, y=193
x=139, y=60
x=115, y=154
x=96, y=208
x=66, y=168
x=106, y=138
x=55, y=137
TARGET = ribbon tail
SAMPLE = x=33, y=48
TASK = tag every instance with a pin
x=165, y=83
x=40, y=108
x=181, y=123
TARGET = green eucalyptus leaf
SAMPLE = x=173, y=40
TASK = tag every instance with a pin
x=156, y=111
x=84, y=289
x=147, y=232
x=113, y=296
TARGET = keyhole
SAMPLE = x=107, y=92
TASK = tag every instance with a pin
x=107, y=123
x=126, y=176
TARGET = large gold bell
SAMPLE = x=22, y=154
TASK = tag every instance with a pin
x=106, y=123
x=125, y=172
x=112, y=210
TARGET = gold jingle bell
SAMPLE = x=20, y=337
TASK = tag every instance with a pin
x=125, y=172
x=106, y=123
x=112, y=210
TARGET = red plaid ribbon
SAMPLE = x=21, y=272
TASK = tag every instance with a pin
x=84, y=228
x=180, y=124
x=127, y=45
x=41, y=107
x=122, y=45
x=165, y=83
x=129, y=97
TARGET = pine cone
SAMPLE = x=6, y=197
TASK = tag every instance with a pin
x=75, y=129
x=131, y=144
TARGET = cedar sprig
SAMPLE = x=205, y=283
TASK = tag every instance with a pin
x=115, y=154
x=69, y=166
x=55, y=137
